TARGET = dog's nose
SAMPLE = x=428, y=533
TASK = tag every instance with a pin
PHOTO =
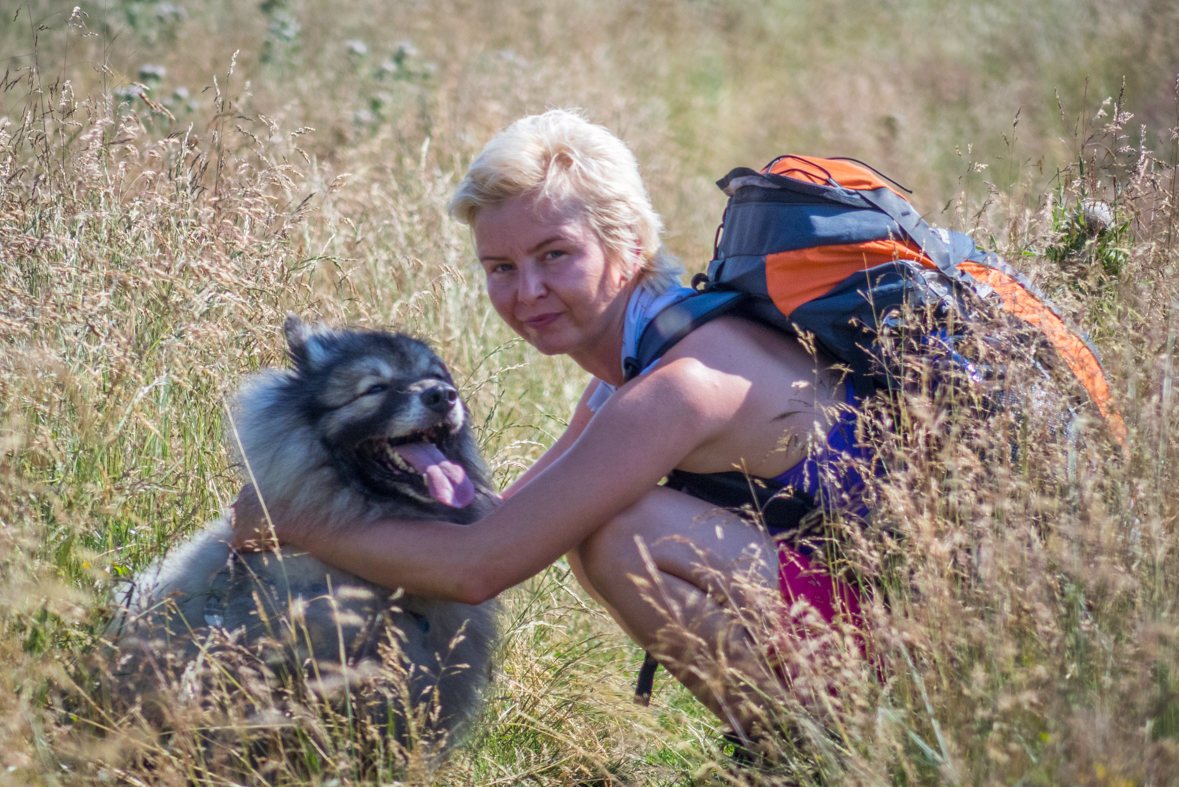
x=440, y=398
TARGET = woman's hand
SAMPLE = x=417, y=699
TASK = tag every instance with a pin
x=253, y=530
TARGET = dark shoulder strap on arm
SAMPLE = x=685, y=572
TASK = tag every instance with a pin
x=675, y=322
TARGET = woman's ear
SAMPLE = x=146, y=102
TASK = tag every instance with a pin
x=636, y=259
x=630, y=268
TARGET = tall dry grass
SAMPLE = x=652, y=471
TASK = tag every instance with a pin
x=299, y=156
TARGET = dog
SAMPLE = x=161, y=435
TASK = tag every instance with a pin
x=366, y=426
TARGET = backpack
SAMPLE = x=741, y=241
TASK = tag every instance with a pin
x=832, y=248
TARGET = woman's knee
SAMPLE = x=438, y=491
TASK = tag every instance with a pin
x=610, y=552
x=679, y=535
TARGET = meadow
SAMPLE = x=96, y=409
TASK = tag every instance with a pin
x=175, y=177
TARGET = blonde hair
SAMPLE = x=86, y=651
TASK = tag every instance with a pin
x=564, y=158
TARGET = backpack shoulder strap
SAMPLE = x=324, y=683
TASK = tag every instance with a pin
x=675, y=322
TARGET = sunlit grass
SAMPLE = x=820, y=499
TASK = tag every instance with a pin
x=150, y=247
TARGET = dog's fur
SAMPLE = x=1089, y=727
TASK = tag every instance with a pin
x=312, y=439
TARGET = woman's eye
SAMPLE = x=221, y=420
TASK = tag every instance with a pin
x=553, y=254
x=503, y=267
x=375, y=389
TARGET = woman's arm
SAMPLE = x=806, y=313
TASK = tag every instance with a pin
x=258, y=528
x=581, y=416
x=621, y=454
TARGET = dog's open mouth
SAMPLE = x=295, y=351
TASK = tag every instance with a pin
x=416, y=456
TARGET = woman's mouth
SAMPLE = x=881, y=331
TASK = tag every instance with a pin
x=541, y=321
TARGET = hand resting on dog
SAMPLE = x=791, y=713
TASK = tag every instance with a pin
x=258, y=527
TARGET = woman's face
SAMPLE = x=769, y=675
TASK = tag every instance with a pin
x=549, y=276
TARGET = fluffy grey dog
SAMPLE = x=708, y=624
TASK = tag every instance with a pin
x=367, y=426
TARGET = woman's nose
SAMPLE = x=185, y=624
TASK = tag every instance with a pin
x=532, y=286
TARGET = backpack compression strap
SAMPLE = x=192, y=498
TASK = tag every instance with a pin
x=932, y=245
x=646, y=682
x=677, y=321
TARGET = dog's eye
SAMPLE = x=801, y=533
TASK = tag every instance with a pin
x=375, y=389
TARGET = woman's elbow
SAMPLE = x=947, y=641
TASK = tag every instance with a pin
x=476, y=587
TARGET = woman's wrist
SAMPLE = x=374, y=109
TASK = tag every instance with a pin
x=258, y=527
x=297, y=535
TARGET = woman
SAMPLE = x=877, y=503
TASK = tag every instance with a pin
x=569, y=244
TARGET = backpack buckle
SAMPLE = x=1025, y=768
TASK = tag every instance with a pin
x=630, y=368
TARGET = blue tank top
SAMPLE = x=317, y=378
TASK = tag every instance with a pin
x=829, y=474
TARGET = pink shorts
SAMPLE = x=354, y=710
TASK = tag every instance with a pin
x=800, y=579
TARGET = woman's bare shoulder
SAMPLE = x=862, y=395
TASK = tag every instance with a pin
x=738, y=346
x=759, y=390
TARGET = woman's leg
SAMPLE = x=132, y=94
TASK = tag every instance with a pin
x=685, y=600
x=691, y=598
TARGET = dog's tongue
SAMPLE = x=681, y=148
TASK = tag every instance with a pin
x=447, y=481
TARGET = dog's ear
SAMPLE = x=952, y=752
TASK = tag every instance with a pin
x=302, y=343
x=296, y=334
